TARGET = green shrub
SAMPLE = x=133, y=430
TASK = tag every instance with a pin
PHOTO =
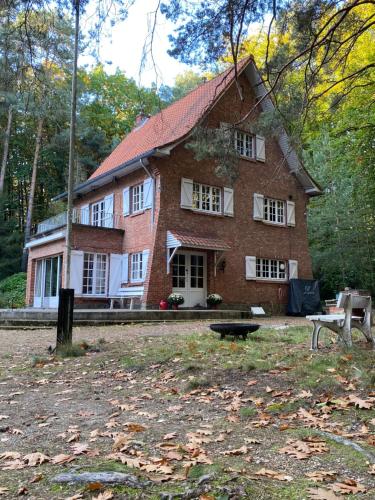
x=13, y=290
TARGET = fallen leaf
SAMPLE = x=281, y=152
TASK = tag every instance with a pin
x=133, y=427
x=106, y=495
x=371, y=469
x=321, y=475
x=62, y=459
x=273, y=475
x=36, y=478
x=240, y=451
x=348, y=487
x=322, y=494
x=3, y=490
x=94, y=486
x=360, y=403
x=168, y=437
x=80, y=448
x=10, y=455
x=22, y=491
x=33, y=459
x=78, y=496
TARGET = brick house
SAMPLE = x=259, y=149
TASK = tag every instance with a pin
x=152, y=220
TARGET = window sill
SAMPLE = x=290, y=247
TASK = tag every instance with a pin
x=270, y=223
x=207, y=212
x=135, y=282
x=270, y=280
x=94, y=295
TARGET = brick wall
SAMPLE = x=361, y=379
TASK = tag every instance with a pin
x=246, y=236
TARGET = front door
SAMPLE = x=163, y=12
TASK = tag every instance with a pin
x=47, y=282
x=189, y=274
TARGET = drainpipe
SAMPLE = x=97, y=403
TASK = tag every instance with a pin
x=150, y=174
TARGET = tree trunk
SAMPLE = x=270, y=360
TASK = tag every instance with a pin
x=32, y=192
x=72, y=139
x=6, y=149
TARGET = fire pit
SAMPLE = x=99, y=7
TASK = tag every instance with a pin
x=235, y=329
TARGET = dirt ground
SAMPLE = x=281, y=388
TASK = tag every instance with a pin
x=186, y=414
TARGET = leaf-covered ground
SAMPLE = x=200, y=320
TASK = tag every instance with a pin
x=191, y=416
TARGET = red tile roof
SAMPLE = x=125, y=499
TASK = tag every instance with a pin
x=196, y=241
x=170, y=124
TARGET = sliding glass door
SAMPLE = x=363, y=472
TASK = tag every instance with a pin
x=47, y=282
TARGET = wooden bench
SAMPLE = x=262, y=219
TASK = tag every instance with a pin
x=130, y=293
x=342, y=323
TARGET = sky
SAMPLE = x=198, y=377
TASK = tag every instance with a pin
x=123, y=48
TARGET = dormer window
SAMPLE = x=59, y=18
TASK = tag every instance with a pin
x=244, y=144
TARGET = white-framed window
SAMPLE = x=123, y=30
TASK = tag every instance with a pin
x=137, y=198
x=207, y=198
x=94, y=274
x=271, y=269
x=136, y=269
x=98, y=213
x=274, y=211
x=244, y=143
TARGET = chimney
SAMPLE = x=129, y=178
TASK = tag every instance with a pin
x=141, y=119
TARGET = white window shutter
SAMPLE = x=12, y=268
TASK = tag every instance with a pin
x=126, y=201
x=258, y=206
x=145, y=255
x=186, y=193
x=291, y=213
x=228, y=202
x=108, y=211
x=251, y=269
x=76, y=271
x=148, y=192
x=125, y=268
x=293, y=269
x=260, y=148
x=85, y=215
x=115, y=263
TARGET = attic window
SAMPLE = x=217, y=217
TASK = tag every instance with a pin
x=244, y=144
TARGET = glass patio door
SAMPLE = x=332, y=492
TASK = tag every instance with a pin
x=47, y=282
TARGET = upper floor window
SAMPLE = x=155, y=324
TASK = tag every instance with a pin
x=98, y=213
x=94, y=274
x=271, y=269
x=136, y=267
x=207, y=198
x=274, y=211
x=137, y=198
x=244, y=144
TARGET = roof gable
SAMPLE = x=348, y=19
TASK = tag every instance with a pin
x=170, y=124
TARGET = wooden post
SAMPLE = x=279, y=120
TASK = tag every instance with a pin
x=65, y=317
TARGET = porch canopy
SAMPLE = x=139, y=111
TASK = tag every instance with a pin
x=177, y=239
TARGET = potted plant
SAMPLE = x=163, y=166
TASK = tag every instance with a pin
x=214, y=299
x=175, y=299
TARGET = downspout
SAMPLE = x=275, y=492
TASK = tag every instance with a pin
x=150, y=174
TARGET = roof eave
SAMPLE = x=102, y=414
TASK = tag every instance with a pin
x=103, y=179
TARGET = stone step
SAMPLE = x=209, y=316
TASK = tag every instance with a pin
x=86, y=317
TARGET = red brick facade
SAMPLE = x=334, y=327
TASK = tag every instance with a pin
x=246, y=236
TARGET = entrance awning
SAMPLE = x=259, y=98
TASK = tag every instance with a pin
x=178, y=239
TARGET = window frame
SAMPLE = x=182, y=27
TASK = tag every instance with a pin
x=275, y=210
x=213, y=193
x=263, y=269
x=101, y=213
x=103, y=257
x=136, y=267
x=140, y=201
x=251, y=138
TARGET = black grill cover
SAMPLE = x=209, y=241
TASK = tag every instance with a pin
x=304, y=297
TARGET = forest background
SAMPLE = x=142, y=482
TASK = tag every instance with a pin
x=330, y=118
